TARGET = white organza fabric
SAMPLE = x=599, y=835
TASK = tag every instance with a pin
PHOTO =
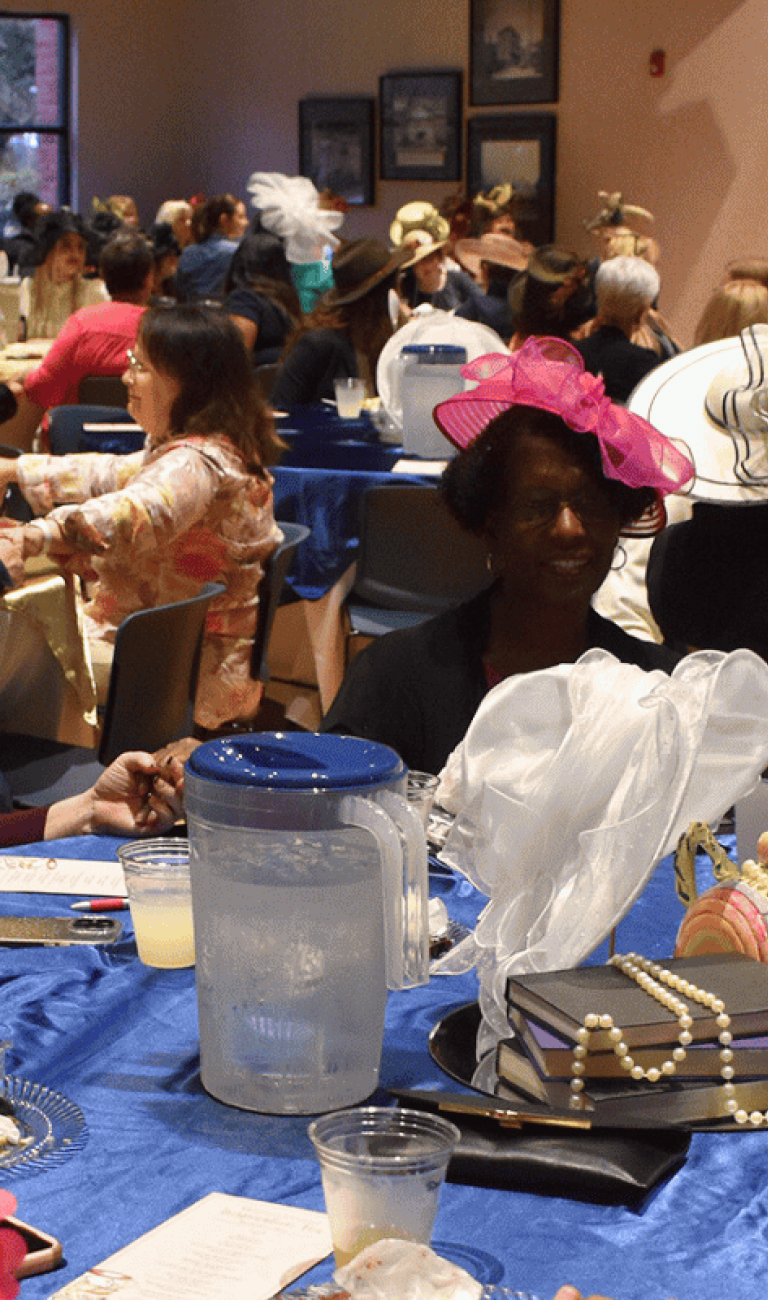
x=289, y=207
x=569, y=787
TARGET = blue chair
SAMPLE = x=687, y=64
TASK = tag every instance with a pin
x=414, y=561
x=66, y=433
x=270, y=592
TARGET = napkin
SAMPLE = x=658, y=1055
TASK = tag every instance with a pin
x=569, y=787
x=404, y=1270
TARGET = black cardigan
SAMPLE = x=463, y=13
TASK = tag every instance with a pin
x=417, y=690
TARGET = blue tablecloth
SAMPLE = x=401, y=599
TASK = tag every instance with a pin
x=120, y=1040
x=328, y=502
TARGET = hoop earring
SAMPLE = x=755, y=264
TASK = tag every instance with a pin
x=616, y=568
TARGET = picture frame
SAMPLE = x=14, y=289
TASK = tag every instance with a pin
x=514, y=51
x=519, y=148
x=336, y=146
x=420, y=117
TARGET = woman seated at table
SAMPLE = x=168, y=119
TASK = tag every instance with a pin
x=133, y=796
x=625, y=288
x=549, y=474
x=495, y=262
x=58, y=288
x=218, y=226
x=95, y=340
x=178, y=214
x=343, y=335
x=194, y=506
x=428, y=279
x=553, y=297
x=260, y=296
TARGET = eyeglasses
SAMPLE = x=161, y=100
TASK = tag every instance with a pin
x=591, y=507
x=135, y=365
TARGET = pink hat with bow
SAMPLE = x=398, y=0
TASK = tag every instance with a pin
x=549, y=373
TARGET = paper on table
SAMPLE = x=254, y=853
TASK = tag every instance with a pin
x=424, y=467
x=111, y=426
x=61, y=876
x=221, y=1246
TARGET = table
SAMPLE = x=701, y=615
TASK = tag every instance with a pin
x=319, y=482
x=9, y=305
x=120, y=1040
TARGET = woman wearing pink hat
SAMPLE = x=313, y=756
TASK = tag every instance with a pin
x=550, y=474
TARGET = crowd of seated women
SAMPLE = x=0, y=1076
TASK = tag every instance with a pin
x=475, y=258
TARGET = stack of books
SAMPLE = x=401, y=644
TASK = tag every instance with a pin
x=546, y=1010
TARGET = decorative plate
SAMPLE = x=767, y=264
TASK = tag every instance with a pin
x=331, y=1291
x=53, y=1128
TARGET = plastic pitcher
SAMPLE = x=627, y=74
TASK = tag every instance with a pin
x=309, y=893
x=430, y=373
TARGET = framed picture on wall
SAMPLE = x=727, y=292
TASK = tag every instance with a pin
x=420, y=115
x=513, y=51
x=518, y=148
x=336, y=148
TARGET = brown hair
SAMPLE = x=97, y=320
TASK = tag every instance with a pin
x=204, y=352
x=207, y=216
x=365, y=321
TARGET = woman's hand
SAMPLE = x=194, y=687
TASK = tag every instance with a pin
x=132, y=797
x=136, y=794
x=571, y=1293
x=12, y=553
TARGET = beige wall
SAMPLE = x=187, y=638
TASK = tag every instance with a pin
x=176, y=98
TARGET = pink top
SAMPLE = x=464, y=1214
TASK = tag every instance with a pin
x=94, y=341
x=159, y=524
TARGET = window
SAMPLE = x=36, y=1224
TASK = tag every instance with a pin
x=34, y=107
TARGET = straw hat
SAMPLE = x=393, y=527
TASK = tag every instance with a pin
x=418, y=217
x=499, y=250
x=358, y=267
x=715, y=400
x=420, y=244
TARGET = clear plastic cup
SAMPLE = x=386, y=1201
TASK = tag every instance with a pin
x=382, y=1171
x=157, y=878
x=350, y=395
x=420, y=792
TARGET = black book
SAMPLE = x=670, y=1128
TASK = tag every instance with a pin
x=559, y=1000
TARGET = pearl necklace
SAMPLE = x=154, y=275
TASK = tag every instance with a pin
x=670, y=991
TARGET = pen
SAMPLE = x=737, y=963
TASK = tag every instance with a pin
x=100, y=905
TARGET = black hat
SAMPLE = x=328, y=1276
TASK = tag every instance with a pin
x=54, y=226
x=163, y=240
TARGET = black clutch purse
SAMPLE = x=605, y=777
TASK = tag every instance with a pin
x=612, y=1166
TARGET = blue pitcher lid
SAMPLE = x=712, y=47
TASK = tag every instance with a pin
x=296, y=760
x=435, y=351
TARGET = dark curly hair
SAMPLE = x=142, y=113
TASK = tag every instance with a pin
x=474, y=484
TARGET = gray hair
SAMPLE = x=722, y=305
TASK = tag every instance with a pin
x=625, y=287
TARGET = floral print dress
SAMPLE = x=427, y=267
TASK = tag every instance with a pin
x=158, y=524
